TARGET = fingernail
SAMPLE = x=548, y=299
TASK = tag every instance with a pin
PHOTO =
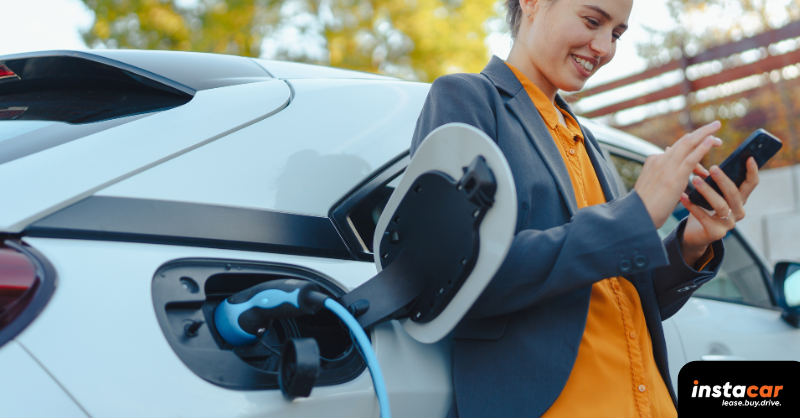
x=715, y=169
x=697, y=180
x=715, y=124
x=708, y=141
x=717, y=141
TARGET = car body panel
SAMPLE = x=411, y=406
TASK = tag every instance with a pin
x=735, y=332
x=28, y=391
x=70, y=172
x=198, y=71
x=295, y=70
x=302, y=160
x=110, y=353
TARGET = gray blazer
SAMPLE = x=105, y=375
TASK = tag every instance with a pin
x=516, y=347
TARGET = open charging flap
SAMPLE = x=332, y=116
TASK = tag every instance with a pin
x=442, y=236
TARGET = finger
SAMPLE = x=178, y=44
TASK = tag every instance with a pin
x=689, y=142
x=689, y=162
x=713, y=198
x=751, y=181
x=700, y=171
x=714, y=229
x=730, y=191
x=701, y=214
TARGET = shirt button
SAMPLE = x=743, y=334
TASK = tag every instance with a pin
x=633, y=334
x=641, y=388
x=572, y=151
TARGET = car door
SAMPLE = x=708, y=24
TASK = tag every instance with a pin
x=733, y=316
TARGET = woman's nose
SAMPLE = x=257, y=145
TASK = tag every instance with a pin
x=602, y=45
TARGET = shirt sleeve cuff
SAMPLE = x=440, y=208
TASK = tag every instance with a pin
x=706, y=258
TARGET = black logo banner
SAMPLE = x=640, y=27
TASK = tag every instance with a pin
x=739, y=389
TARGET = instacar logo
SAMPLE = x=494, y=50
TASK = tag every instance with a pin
x=739, y=391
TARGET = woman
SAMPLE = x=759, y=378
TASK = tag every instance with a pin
x=570, y=326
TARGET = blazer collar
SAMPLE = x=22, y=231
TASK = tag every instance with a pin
x=522, y=107
x=539, y=135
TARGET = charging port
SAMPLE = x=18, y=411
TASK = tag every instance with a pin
x=185, y=295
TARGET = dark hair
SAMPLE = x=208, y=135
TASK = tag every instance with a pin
x=514, y=16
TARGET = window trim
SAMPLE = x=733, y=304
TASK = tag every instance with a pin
x=340, y=211
x=149, y=221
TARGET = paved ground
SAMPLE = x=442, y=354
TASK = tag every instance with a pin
x=773, y=214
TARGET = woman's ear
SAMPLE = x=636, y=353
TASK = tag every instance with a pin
x=529, y=8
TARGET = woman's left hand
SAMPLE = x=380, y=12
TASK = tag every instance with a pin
x=702, y=228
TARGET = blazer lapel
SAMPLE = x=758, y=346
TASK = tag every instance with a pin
x=596, y=156
x=538, y=134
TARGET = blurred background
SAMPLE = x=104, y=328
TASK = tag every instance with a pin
x=681, y=64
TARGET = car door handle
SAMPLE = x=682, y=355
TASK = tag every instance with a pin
x=719, y=357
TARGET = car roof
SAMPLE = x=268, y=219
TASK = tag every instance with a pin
x=195, y=71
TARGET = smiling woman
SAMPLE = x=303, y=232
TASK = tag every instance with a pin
x=571, y=323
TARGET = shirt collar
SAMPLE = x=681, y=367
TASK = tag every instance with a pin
x=545, y=107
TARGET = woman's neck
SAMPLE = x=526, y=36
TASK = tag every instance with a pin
x=520, y=60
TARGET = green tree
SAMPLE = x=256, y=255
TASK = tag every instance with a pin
x=413, y=39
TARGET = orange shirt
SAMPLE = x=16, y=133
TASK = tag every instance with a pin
x=615, y=373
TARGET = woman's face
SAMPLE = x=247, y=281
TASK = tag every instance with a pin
x=567, y=41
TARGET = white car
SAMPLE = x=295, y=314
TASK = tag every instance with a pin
x=141, y=188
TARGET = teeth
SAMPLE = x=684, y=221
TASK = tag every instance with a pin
x=588, y=66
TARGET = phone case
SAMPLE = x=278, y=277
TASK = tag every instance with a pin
x=760, y=145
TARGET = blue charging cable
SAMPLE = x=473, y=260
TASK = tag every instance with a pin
x=238, y=317
x=366, y=350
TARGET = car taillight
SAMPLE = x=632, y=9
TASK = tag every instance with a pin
x=18, y=284
x=27, y=282
x=7, y=74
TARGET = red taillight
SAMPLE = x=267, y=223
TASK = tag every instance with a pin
x=12, y=113
x=18, y=283
x=6, y=73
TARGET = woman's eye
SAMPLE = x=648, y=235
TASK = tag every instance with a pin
x=593, y=22
x=616, y=36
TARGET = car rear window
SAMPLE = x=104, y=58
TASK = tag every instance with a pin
x=47, y=101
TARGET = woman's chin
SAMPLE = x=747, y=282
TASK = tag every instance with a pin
x=572, y=86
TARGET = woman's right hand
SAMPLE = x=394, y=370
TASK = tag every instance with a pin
x=664, y=176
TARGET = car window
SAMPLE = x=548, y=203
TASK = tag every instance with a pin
x=364, y=216
x=627, y=169
x=48, y=101
x=740, y=278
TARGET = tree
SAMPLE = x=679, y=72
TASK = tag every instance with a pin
x=413, y=39
x=701, y=24
x=704, y=24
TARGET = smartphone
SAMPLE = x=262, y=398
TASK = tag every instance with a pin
x=760, y=145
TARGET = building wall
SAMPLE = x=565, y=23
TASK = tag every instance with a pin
x=772, y=219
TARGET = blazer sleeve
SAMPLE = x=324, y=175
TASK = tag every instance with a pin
x=677, y=282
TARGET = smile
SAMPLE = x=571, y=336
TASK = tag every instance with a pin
x=588, y=66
